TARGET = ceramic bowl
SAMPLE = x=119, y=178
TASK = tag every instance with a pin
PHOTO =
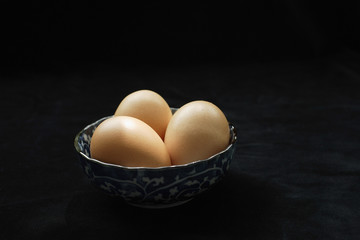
x=153, y=187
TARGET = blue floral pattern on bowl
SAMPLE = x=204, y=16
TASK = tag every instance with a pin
x=153, y=187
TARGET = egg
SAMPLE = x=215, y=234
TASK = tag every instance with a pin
x=129, y=142
x=149, y=107
x=197, y=130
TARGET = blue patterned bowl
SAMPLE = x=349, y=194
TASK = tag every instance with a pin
x=153, y=187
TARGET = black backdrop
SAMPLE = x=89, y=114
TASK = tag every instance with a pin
x=286, y=73
x=65, y=34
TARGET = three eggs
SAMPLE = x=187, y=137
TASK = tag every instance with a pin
x=144, y=133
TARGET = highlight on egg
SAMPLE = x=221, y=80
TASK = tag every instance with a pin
x=197, y=131
x=149, y=107
x=128, y=141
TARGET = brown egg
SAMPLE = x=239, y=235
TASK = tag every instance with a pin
x=198, y=130
x=130, y=142
x=149, y=107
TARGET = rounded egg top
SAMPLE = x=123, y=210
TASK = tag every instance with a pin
x=149, y=107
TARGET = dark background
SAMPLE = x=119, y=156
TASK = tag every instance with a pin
x=59, y=35
x=286, y=73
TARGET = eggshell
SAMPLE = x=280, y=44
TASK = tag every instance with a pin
x=128, y=141
x=198, y=130
x=147, y=106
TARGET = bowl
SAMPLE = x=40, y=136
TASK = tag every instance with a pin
x=158, y=187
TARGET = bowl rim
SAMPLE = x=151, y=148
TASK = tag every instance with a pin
x=233, y=138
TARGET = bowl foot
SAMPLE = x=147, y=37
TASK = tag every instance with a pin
x=159, y=206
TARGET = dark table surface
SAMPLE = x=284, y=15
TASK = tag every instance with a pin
x=295, y=173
